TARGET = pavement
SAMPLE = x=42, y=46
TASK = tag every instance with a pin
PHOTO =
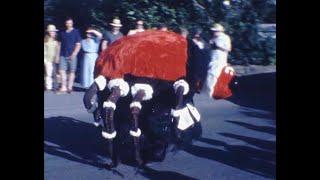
x=238, y=140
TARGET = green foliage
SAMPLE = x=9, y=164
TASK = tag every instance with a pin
x=240, y=20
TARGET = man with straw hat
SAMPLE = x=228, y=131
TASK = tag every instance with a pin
x=113, y=35
x=219, y=73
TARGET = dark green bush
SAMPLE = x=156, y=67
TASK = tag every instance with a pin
x=240, y=19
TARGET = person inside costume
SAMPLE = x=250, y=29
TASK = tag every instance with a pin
x=141, y=95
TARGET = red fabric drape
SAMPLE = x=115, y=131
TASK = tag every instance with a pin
x=221, y=89
x=153, y=54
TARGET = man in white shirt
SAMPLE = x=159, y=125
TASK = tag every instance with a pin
x=221, y=46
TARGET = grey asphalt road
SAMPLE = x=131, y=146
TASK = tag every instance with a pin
x=238, y=140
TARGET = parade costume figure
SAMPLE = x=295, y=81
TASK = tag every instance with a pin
x=141, y=93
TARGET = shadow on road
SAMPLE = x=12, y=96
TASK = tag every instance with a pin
x=256, y=91
x=81, y=142
x=265, y=129
x=163, y=175
x=246, y=158
x=260, y=143
x=79, y=89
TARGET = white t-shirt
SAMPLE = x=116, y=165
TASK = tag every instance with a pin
x=218, y=61
x=134, y=31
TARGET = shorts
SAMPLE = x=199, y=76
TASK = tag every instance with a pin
x=66, y=64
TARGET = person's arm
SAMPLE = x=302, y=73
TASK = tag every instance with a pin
x=104, y=45
x=45, y=54
x=77, y=48
x=75, y=51
x=95, y=32
x=57, y=58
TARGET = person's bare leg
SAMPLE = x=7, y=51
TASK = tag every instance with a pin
x=63, y=80
x=71, y=80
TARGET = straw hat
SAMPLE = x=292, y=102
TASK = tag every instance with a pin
x=217, y=27
x=51, y=28
x=116, y=22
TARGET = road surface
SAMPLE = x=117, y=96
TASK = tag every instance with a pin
x=238, y=140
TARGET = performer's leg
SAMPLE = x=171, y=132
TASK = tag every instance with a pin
x=135, y=107
x=94, y=97
x=181, y=88
x=119, y=88
x=108, y=131
x=140, y=92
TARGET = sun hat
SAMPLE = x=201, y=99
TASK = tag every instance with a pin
x=217, y=27
x=51, y=28
x=116, y=22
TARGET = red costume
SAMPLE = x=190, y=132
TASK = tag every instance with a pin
x=152, y=54
x=150, y=65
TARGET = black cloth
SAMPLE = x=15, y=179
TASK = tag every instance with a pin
x=197, y=63
x=155, y=120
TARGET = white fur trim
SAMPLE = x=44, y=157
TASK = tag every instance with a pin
x=229, y=70
x=123, y=86
x=101, y=82
x=194, y=112
x=184, y=118
x=182, y=83
x=135, y=133
x=96, y=124
x=147, y=89
x=176, y=113
x=136, y=104
x=109, y=104
x=109, y=136
x=93, y=108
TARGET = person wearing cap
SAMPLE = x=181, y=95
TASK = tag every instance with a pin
x=70, y=46
x=90, y=47
x=51, y=49
x=220, y=48
x=139, y=28
x=113, y=35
